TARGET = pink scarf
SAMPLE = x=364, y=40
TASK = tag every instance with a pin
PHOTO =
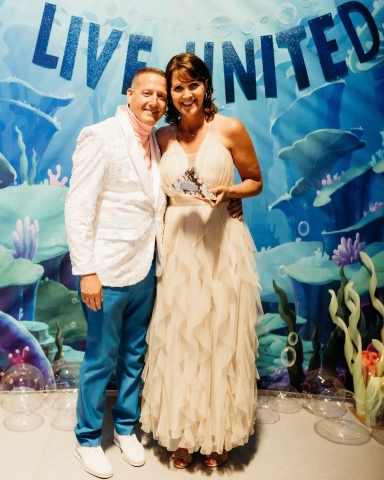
x=142, y=133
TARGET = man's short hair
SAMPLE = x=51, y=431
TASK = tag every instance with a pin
x=141, y=71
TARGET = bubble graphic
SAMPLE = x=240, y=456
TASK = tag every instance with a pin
x=111, y=9
x=247, y=26
x=305, y=206
x=293, y=338
x=174, y=30
x=281, y=271
x=198, y=25
x=74, y=300
x=133, y=13
x=180, y=24
x=221, y=26
x=306, y=3
x=288, y=356
x=264, y=19
x=286, y=13
x=303, y=228
x=149, y=16
x=73, y=324
x=164, y=19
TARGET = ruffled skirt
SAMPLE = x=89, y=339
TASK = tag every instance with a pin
x=200, y=373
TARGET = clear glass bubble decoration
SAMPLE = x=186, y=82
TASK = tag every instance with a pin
x=288, y=356
x=303, y=228
x=247, y=26
x=287, y=398
x=149, y=16
x=315, y=382
x=22, y=389
x=286, y=13
x=264, y=19
x=65, y=405
x=221, y=26
x=111, y=9
x=330, y=403
x=198, y=25
x=266, y=410
x=306, y=3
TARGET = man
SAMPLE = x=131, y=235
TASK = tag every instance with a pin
x=114, y=219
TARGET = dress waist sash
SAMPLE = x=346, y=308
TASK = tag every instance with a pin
x=188, y=202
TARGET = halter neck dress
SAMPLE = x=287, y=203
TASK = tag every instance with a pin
x=200, y=373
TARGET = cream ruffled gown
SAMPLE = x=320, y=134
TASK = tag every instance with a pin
x=200, y=371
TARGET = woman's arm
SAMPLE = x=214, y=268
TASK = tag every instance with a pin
x=234, y=136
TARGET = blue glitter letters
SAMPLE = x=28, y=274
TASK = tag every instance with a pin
x=233, y=65
x=96, y=66
x=41, y=57
x=331, y=71
x=290, y=39
x=269, y=70
x=135, y=44
x=71, y=48
x=344, y=11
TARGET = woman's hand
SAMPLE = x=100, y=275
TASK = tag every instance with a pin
x=221, y=192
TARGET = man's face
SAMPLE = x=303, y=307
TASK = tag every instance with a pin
x=147, y=97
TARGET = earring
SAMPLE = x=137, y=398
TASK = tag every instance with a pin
x=205, y=95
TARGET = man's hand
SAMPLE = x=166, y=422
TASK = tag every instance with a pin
x=91, y=291
x=235, y=208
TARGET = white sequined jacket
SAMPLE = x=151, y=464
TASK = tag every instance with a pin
x=114, y=212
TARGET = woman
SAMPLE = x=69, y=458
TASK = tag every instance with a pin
x=200, y=371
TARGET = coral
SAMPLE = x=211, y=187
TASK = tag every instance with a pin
x=54, y=179
x=317, y=260
x=348, y=253
x=296, y=372
x=16, y=359
x=374, y=207
x=14, y=336
x=25, y=240
x=35, y=201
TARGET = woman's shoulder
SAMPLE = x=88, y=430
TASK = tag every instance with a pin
x=227, y=126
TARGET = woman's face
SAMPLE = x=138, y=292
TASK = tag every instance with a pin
x=187, y=93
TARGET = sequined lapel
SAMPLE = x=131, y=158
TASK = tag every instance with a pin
x=137, y=158
x=155, y=157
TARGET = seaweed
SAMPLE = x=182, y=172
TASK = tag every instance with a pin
x=315, y=361
x=27, y=174
x=59, y=343
x=295, y=371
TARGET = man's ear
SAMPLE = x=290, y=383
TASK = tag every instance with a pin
x=129, y=94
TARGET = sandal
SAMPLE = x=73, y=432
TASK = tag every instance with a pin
x=184, y=455
x=219, y=457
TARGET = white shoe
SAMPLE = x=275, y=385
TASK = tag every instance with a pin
x=131, y=449
x=94, y=461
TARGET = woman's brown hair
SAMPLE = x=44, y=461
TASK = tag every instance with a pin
x=195, y=68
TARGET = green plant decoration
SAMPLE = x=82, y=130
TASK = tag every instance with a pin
x=315, y=361
x=368, y=392
x=334, y=347
x=295, y=371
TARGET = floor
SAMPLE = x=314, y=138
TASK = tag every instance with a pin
x=289, y=449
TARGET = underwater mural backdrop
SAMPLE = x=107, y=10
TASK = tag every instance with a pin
x=307, y=80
